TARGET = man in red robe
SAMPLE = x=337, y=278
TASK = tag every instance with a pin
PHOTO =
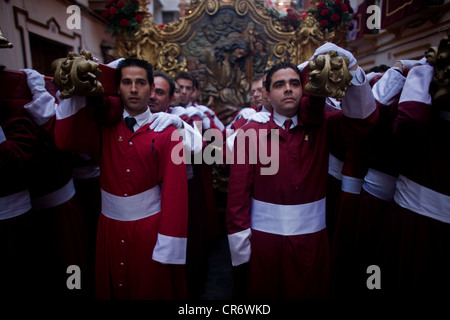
x=142, y=230
x=276, y=221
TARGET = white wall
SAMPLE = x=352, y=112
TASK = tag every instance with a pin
x=20, y=17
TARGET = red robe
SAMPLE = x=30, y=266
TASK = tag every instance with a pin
x=18, y=141
x=141, y=240
x=277, y=222
x=415, y=242
x=379, y=182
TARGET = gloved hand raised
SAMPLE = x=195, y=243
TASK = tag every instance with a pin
x=35, y=80
x=325, y=48
x=161, y=120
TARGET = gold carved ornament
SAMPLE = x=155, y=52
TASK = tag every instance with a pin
x=77, y=74
x=158, y=44
x=328, y=76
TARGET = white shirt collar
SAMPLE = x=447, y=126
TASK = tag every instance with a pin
x=280, y=119
x=141, y=118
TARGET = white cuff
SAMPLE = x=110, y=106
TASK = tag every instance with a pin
x=388, y=87
x=41, y=108
x=417, y=85
x=170, y=250
x=192, y=138
x=69, y=107
x=358, y=102
x=240, y=248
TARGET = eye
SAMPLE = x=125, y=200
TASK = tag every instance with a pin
x=141, y=83
x=278, y=84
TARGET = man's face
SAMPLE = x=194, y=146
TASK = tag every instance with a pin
x=176, y=95
x=256, y=92
x=265, y=95
x=135, y=90
x=286, y=92
x=186, y=91
x=159, y=99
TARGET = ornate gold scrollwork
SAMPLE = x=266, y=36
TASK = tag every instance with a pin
x=77, y=74
x=307, y=39
x=328, y=76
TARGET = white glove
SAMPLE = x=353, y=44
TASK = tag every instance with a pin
x=114, y=64
x=260, y=117
x=161, y=120
x=205, y=109
x=302, y=65
x=35, y=80
x=325, y=48
x=179, y=111
x=193, y=111
x=408, y=64
x=206, y=123
x=247, y=112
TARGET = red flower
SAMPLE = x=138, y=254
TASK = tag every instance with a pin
x=335, y=17
x=324, y=12
x=120, y=4
x=324, y=23
x=124, y=23
x=139, y=17
x=304, y=15
x=161, y=26
x=321, y=5
x=344, y=8
x=112, y=11
x=105, y=14
x=109, y=3
x=337, y=2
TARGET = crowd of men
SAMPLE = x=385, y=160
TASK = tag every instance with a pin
x=359, y=205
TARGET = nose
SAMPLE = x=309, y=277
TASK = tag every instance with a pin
x=288, y=88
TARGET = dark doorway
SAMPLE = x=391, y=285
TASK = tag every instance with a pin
x=44, y=52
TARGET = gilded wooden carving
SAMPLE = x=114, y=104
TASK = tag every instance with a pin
x=224, y=44
x=77, y=74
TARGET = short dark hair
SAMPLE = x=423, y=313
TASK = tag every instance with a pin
x=133, y=62
x=257, y=77
x=168, y=79
x=187, y=76
x=279, y=66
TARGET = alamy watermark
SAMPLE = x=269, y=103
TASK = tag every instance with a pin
x=74, y=19
x=374, y=20
x=248, y=147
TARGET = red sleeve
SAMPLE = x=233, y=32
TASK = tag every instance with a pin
x=174, y=196
x=75, y=128
x=240, y=187
x=20, y=143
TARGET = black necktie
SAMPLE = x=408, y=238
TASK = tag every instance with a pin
x=130, y=121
